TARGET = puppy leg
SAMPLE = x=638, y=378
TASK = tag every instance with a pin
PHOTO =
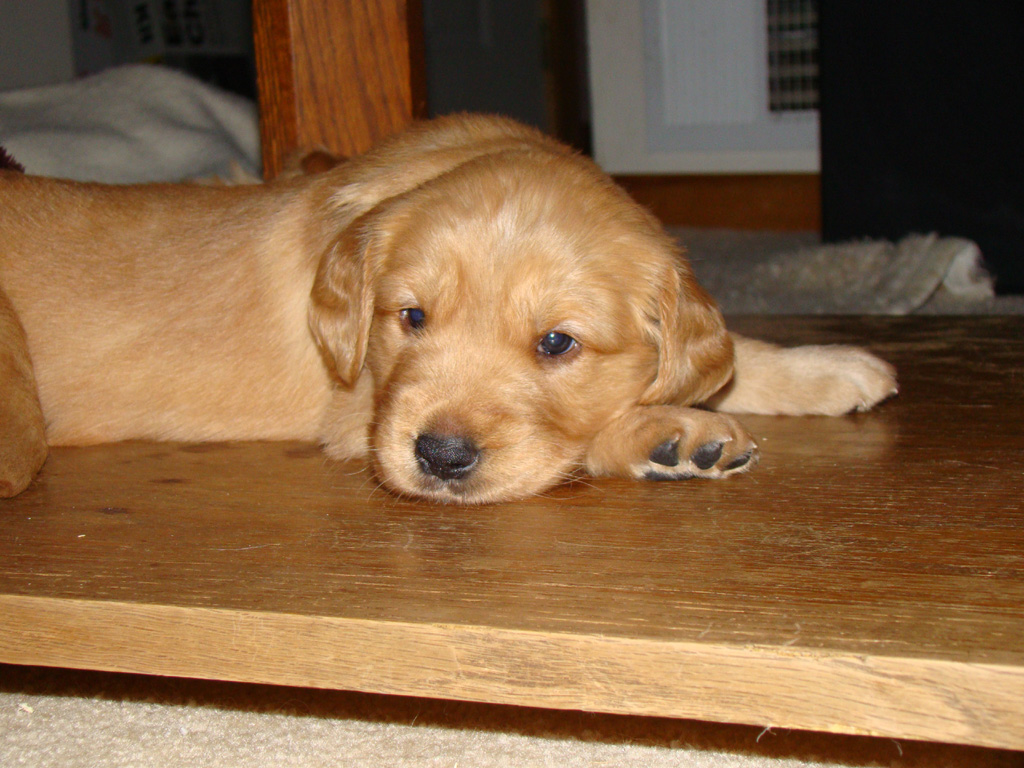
x=810, y=380
x=22, y=429
x=667, y=442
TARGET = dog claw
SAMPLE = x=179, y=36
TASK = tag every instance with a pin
x=666, y=454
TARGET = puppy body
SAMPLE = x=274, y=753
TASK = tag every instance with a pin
x=473, y=306
x=164, y=312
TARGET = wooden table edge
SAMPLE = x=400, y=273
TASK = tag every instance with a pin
x=787, y=687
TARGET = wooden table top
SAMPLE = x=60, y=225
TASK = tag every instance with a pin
x=866, y=577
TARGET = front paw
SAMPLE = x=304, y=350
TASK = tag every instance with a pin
x=671, y=443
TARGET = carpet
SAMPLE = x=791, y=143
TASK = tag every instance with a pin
x=68, y=719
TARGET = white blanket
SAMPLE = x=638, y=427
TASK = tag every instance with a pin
x=766, y=273
x=866, y=277
x=130, y=124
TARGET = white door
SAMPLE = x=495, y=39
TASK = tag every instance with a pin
x=685, y=86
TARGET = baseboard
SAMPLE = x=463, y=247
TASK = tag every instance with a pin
x=747, y=201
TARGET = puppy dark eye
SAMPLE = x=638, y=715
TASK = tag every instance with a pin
x=556, y=343
x=413, y=318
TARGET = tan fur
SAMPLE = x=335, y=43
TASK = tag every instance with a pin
x=820, y=380
x=275, y=311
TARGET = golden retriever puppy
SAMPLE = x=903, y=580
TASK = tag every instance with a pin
x=473, y=307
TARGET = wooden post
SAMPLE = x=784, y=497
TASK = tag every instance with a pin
x=340, y=74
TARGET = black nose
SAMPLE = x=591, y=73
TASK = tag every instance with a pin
x=448, y=457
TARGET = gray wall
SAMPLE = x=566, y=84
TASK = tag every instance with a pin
x=486, y=56
x=35, y=43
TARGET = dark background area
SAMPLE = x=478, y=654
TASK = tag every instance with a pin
x=525, y=59
x=922, y=119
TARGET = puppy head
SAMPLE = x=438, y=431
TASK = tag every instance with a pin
x=507, y=311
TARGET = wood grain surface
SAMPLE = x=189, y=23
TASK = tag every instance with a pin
x=340, y=75
x=867, y=577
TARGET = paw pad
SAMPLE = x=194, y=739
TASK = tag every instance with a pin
x=706, y=461
x=707, y=455
x=652, y=475
x=740, y=460
x=666, y=454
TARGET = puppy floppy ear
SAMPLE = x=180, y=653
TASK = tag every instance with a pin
x=695, y=354
x=341, y=302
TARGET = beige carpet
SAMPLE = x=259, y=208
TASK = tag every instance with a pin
x=68, y=719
